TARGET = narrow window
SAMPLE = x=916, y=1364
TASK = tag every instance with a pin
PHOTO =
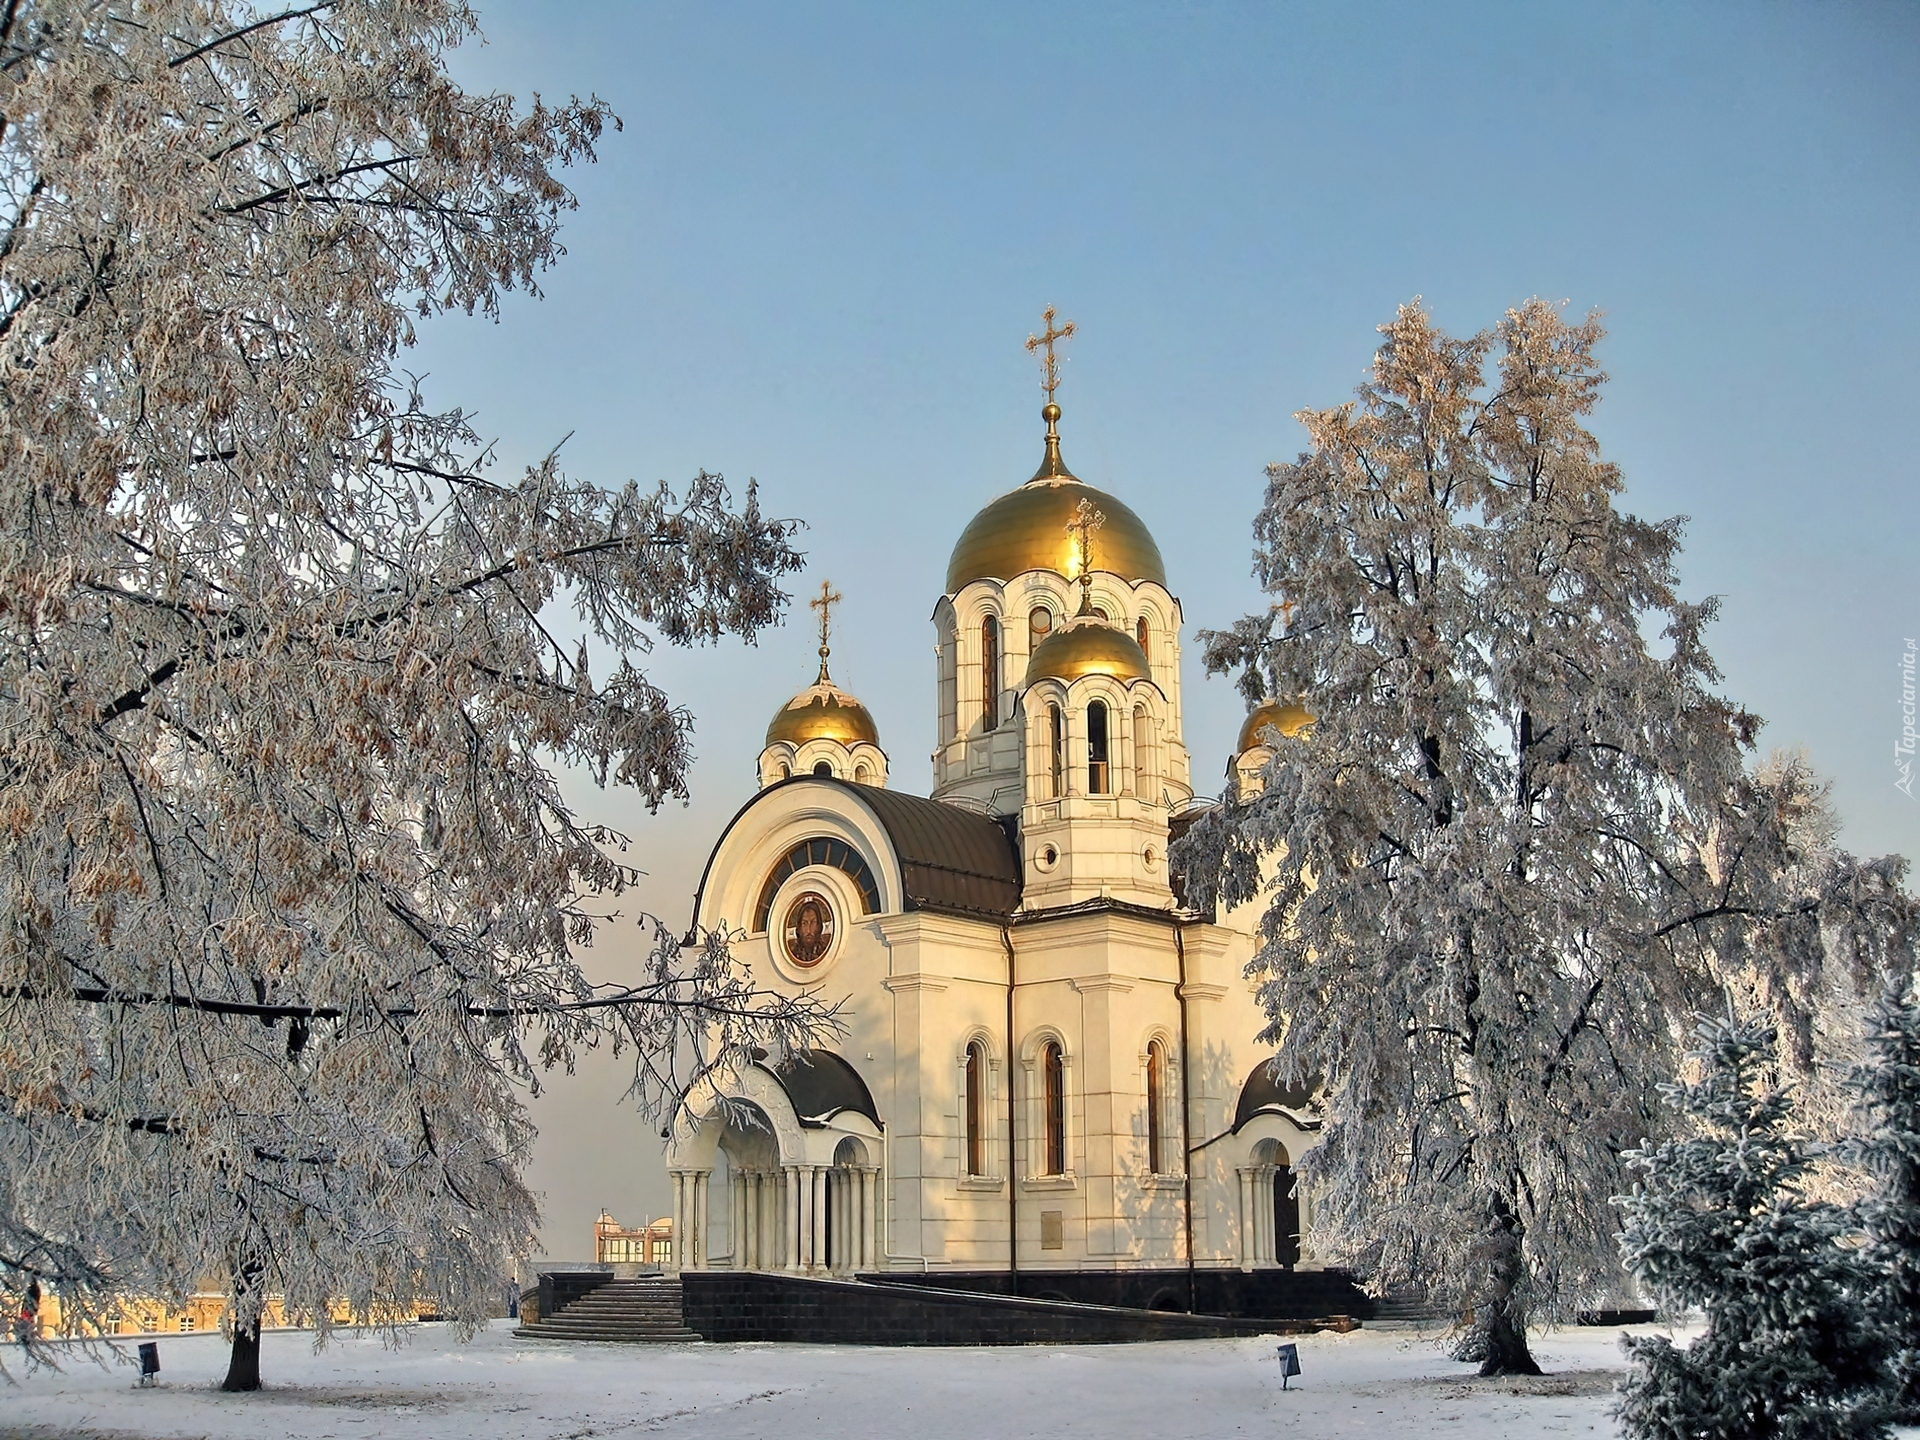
x=1053, y=1068
x=1097, y=748
x=1039, y=625
x=1140, y=634
x=823, y=767
x=862, y=775
x=976, y=1109
x=990, y=672
x=1142, y=753
x=1156, y=1102
x=1057, y=752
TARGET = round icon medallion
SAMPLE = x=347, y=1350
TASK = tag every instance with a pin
x=808, y=929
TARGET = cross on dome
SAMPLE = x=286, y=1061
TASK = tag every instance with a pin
x=1087, y=518
x=1049, y=364
x=824, y=603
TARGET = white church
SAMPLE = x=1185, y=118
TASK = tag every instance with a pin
x=1049, y=1063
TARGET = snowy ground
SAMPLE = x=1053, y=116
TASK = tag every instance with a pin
x=1371, y=1383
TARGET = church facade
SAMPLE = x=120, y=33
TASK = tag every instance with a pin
x=1049, y=1062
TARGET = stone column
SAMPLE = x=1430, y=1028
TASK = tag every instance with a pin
x=700, y=1218
x=794, y=1227
x=1246, y=1217
x=753, y=1220
x=737, y=1225
x=869, y=1218
x=820, y=1218
x=679, y=1177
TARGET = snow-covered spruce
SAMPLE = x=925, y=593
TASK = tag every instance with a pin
x=1887, y=1088
x=290, y=889
x=1719, y=1224
x=1516, y=843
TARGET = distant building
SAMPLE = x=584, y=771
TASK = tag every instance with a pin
x=651, y=1244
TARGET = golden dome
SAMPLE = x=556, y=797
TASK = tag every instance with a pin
x=1289, y=717
x=1026, y=529
x=1087, y=646
x=823, y=711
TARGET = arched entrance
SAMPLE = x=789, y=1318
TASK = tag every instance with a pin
x=852, y=1190
x=1269, y=1208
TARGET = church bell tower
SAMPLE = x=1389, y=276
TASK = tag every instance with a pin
x=1059, y=680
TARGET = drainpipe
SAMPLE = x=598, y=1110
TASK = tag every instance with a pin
x=1013, y=1163
x=1186, y=1109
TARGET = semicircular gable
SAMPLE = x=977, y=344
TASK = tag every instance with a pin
x=920, y=854
x=1261, y=1094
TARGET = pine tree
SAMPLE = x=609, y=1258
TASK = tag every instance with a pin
x=1517, y=841
x=1887, y=1088
x=1719, y=1224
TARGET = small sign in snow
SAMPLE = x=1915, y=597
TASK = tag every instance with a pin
x=1289, y=1363
x=149, y=1362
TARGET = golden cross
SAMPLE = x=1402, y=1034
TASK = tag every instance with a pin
x=1086, y=520
x=824, y=603
x=1049, y=365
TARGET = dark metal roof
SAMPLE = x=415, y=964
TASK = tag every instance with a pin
x=1263, y=1093
x=821, y=1085
x=950, y=859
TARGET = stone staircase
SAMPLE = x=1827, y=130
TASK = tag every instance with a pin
x=634, y=1311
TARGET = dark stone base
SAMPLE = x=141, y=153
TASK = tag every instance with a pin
x=1250, y=1294
x=726, y=1305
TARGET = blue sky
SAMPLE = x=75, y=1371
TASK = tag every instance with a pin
x=814, y=251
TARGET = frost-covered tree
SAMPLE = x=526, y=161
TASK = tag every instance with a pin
x=1517, y=841
x=1720, y=1223
x=1887, y=1088
x=290, y=892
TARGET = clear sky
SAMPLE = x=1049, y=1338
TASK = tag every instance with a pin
x=812, y=255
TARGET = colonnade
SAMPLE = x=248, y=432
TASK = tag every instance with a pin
x=803, y=1219
x=1261, y=1244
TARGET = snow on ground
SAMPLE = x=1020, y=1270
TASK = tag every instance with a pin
x=1388, y=1382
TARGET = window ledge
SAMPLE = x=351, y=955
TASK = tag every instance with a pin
x=1067, y=1181
x=981, y=1182
x=1160, y=1182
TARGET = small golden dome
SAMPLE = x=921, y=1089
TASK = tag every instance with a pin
x=823, y=711
x=1289, y=717
x=1088, y=646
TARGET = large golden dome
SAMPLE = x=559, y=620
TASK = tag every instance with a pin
x=823, y=711
x=1087, y=646
x=1289, y=717
x=1026, y=529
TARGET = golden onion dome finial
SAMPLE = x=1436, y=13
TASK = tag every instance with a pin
x=824, y=603
x=1051, y=465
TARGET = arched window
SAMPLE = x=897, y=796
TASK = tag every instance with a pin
x=823, y=767
x=1140, y=634
x=786, y=771
x=976, y=1109
x=1097, y=748
x=1053, y=1083
x=1039, y=625
x=990, y=672
x=1057, y=750
x=862, y=775
x=1156, y=1106
x=1142, y=753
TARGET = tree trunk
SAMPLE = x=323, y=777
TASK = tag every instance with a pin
x=243, y=1370
x=1498, y=1339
